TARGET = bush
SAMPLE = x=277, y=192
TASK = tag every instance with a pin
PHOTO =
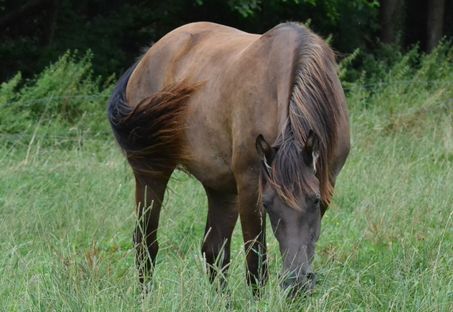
x=401, y=82
x=64, y=99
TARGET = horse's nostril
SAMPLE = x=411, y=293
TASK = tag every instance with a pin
x=311, y=276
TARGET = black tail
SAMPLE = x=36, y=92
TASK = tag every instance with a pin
x=151, y=133
x=118, y=109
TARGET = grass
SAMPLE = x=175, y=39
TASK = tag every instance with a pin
x=66, y=216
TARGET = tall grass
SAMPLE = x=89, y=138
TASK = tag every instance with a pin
x=66, y=212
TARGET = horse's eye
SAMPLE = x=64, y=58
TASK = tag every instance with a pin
x=317, y=199
x=266, y=205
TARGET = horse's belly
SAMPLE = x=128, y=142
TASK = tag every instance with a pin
x=207, y=160
x=212, y=172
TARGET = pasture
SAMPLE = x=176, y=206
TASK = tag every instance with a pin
x=67, y=208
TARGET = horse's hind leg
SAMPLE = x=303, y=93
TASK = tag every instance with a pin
x=149, y=194
x=222, y=216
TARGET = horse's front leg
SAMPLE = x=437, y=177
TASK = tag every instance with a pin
x=149, y=196
x=253, y=222
x=222, y=216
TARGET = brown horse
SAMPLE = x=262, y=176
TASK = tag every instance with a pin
x=260, y=120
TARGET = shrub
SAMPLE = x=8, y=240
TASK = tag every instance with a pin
x=64, y=98
x=401, y=84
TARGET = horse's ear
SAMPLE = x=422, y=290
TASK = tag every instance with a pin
x=265, y=151
x=311, y=150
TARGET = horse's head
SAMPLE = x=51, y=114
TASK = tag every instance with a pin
x=290, y=194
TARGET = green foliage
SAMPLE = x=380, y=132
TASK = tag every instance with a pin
x=245, y=8
x=66, y=95
x=7, y=93
x=417, y=75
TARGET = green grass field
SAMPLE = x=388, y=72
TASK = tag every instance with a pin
x=67, y=213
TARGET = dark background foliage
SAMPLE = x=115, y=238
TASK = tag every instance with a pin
x=35, y=32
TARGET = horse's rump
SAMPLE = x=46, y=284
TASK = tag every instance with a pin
x=151, y=132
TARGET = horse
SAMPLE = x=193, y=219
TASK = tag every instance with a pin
x=260, y=120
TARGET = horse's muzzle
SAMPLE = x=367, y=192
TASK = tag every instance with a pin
x=299, y=285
